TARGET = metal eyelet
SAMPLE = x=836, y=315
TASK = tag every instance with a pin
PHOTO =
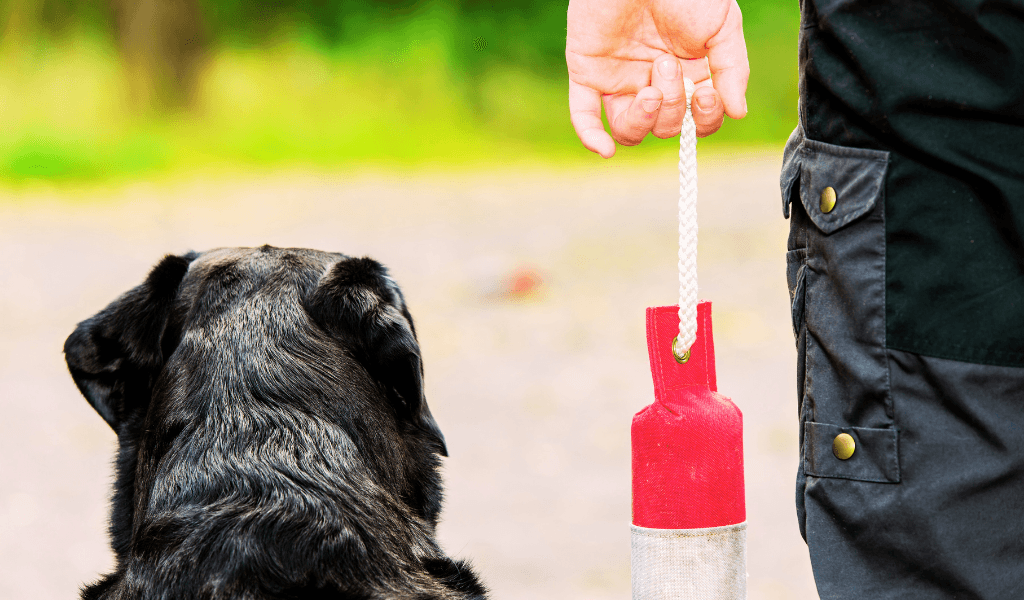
x=681, y=354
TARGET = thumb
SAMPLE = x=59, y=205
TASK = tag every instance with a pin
x=727, y=58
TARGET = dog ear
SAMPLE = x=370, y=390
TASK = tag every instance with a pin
x=115, y=356
x=358, y=302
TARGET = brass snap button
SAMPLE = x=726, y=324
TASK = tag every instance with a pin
x=828, y=199
x=843, y=446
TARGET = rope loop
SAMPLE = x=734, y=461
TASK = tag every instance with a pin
x=687, y=233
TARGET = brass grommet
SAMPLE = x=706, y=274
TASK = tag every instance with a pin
x=681, y=354
x=843, y=446
x=828, y=199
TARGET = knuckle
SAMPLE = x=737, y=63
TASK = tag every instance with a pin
x=629, y=138
x=706, y=130
x=630, y=132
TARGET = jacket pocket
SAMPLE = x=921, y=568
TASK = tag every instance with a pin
x=874, y=457
x=835, y=270
x=855, y=177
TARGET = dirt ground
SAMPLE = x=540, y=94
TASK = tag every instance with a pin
x=534, y=393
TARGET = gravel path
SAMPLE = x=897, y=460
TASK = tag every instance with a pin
x=534, y=392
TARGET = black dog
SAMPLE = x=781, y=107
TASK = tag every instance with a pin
x=274, y=438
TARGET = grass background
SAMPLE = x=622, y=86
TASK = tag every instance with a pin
x=327, y=85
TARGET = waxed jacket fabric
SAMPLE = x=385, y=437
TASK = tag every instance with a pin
x=906, y=299
x=939, y=84
x=930, y=504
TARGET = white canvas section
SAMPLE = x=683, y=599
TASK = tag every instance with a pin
x=689, y=564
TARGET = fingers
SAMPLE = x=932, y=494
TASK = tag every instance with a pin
x=659, y=108
x=632, y=118
x=727, y=56
x=708, y=109
x=667, y=77
x=585, y=114
x=707, y=114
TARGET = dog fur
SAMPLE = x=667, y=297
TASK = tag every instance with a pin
x=274, y=440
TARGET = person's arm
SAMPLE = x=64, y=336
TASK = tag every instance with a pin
x=629, y=54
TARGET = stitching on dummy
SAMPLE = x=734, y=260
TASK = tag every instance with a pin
x=659, y=380
x=705, y=532
x=706, y=346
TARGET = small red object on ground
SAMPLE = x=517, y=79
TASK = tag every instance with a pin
x=521, y=283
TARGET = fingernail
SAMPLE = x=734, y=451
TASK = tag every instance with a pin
x=669, y=69
x=705, y=102
x=650, y=106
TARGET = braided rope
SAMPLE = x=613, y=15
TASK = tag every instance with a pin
x=687, y=233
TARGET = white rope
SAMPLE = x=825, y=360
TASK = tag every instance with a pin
x=687, y=232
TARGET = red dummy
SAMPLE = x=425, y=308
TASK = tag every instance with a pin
x=688, y=444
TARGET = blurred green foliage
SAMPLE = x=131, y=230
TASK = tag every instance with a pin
x=327, y=84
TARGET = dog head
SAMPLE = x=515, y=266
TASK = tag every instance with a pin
x=220, y=355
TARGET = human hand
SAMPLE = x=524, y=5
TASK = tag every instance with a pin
x=633, y=55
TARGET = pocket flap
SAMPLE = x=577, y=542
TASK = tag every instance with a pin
x=875, y=456
x=855, y=174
